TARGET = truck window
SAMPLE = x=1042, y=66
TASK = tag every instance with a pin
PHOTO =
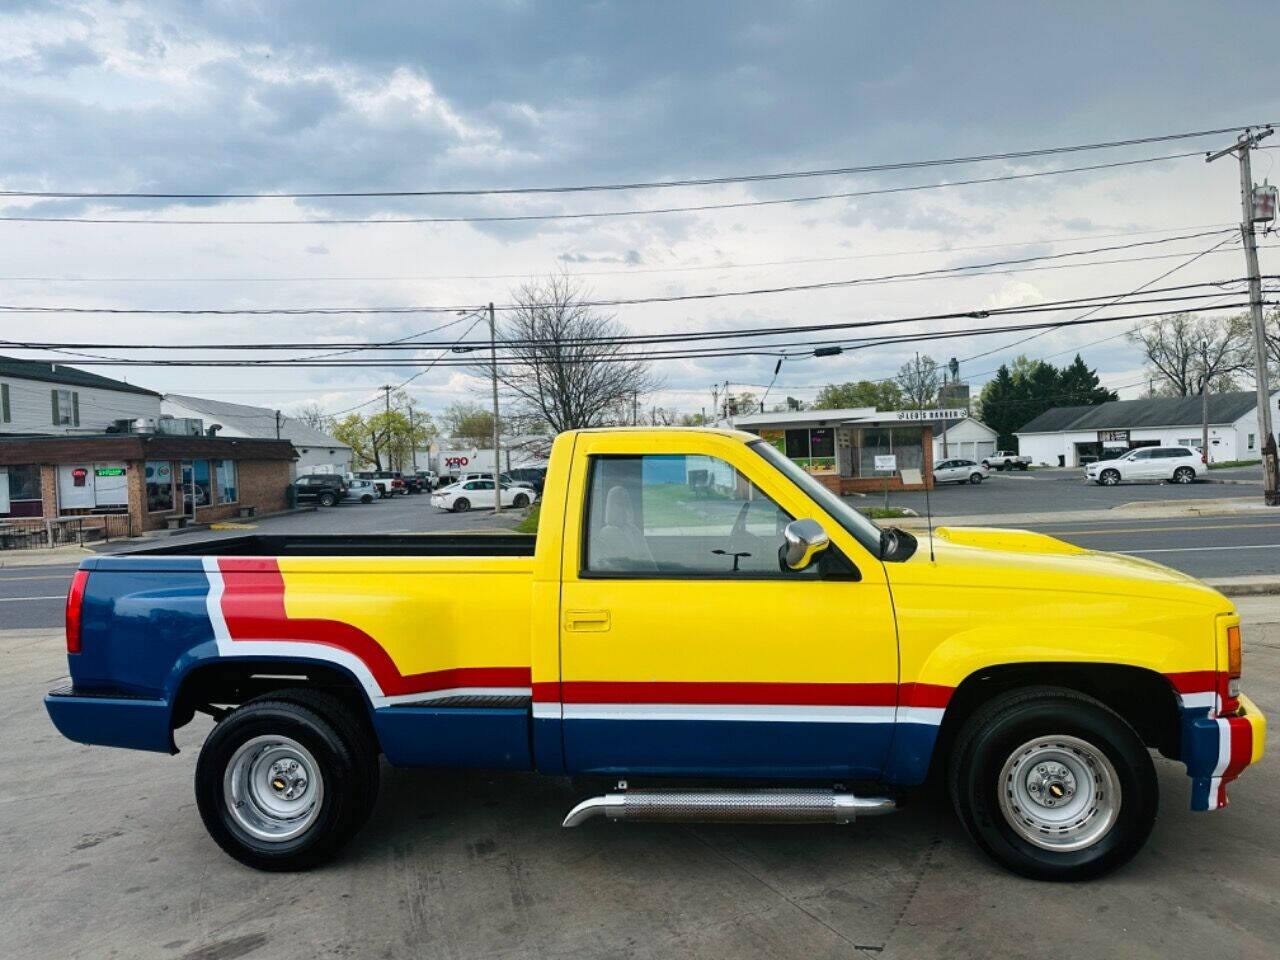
x=690, y=515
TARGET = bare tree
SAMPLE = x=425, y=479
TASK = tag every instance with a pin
x=1271, y=333
x=560, y=361
x=1187, y=352
x=313, y=415
x=918, y=380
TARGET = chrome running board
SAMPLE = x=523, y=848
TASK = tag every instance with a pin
x=762, y=805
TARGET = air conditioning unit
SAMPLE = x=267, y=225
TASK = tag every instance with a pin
x=181, y=426
x=143, y=425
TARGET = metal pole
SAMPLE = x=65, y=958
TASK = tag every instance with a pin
x=1270, y=493
x=1247, y=140
x=497, y=459
x=1204, y=412
x=413, y=440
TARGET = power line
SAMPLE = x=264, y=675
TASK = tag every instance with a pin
x=1169, y=294
x=637, y=185
x=617, y=302
x=613, y=273
x=588, y=215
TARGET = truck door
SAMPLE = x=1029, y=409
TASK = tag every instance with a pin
x=686, y=649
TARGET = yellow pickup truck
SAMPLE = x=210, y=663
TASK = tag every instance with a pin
x=696, y=615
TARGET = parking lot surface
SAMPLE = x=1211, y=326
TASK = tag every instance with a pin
x=105, y=856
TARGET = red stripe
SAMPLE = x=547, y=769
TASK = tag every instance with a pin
x=924, y=695
x=1241, y=753
x=253, y=607
x=1194, y=681
x=759, y=694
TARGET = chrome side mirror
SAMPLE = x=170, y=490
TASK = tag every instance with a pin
x=805, y=539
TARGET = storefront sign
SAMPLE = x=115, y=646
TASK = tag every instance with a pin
x=886, y=463
x=924, y=415
x=109, y=472
x=1113, y=438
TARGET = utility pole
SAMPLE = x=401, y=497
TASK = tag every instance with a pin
x=497, y=458
x=277, y=424
x=413, y=439
x=1244, y=143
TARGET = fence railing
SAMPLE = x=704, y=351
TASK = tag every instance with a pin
x=34, y=533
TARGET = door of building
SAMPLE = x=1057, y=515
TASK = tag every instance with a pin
x=188, y=480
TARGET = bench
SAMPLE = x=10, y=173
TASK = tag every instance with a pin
x=246, y=512
x=176, y=522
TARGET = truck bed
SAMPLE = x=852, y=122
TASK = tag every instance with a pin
x=349, y=545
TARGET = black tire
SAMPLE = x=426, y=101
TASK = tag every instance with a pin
x=1184, y=475
x=521, y=500
x=461, y=505
x=367, y=498
x=999, y=731
x=975, y=478
x=328, y=498
x=346, y=760
x=1109, y=478
x=1023, y=466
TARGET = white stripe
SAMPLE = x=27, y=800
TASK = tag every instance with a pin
x=1206, y=699
x=1215, y=784
x=448, y=692
x=213, y=602
x=61, y=596
x=769, y=712
x=1242, y=546
x=547, y=711
x=1224, y=748
x=930, y=715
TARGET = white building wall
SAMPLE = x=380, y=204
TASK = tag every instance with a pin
x=31, y=407
x=970, y=439
x=1225, y=442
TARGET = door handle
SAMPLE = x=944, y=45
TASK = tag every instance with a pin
x=586, y=621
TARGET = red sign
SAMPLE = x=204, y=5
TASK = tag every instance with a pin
x=78, y=476
x=456, y=461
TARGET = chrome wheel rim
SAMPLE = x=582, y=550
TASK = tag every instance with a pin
x=273, y=788
x=1109, y=479
x=1059, y=793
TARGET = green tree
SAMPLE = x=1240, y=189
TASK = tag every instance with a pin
x=468, y=421
x=881, y=394
x=918, y=379
x=1023, y=390
x=1080, y=386
x=386, y=440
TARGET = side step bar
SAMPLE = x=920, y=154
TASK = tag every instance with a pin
x=762, y=805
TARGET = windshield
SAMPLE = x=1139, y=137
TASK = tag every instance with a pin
x=862, y=529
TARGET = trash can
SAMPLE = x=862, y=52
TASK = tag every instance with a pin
x=291, y=496
x=1062, y=459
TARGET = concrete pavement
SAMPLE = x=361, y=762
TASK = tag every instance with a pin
x=105, y=855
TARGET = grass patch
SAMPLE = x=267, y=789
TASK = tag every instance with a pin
x=530, y=522
x=1224, y=464
x=887, y=513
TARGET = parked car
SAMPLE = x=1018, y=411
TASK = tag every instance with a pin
x=361, y=491
x=959, y=471
x=534, y=476
x=769, y=642
x=1006, y=460
x=325, y=489
x=460, y=497
x=1172, y=464
x=429, y=479
x=506, y=478
x=413, y=482
x=388, y=482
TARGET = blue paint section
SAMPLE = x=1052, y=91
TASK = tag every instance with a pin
x=548, y=745
x=112, y=722
x=486, y=737
x=137, y=621
x=731, y=748
x=1200, y=745
x=910, y=754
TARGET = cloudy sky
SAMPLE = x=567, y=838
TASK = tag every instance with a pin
x=291, y=97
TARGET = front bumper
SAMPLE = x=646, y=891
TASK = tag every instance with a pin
x=1216, y=750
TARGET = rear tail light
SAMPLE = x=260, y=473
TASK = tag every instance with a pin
x=75, y=601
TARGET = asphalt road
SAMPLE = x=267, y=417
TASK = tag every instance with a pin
x=105, y=855
x=1045, y=491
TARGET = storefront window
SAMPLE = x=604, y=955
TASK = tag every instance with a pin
x=20, y=491
x=203, y=493
x=159, y=485
x=814, y=449
x=227, y=492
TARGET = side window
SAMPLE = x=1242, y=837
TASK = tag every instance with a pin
x=682, y=515
x=1142, y=455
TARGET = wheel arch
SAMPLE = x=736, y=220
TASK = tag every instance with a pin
x=211, y=685
x=1144, y=698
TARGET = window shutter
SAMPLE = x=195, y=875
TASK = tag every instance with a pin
x=55, y=406
x=75, y=409
x=4, y=402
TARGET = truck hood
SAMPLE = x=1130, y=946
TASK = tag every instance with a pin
x=996, y=557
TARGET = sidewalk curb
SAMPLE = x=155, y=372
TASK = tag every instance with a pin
x=1245, y=587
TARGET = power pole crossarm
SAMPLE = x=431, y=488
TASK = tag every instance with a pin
x=1241, y=148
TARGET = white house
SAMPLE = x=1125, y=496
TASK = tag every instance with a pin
x=1074, y=436
x=41, y=398
x=317, y=451
x=968, y=438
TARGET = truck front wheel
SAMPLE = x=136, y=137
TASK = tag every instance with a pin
x=1053, y=785
x=282, y=784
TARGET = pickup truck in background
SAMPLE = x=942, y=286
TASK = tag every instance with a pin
x=696, y=608
x=1006, y=460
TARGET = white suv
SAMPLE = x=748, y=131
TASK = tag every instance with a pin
x=1173, y=464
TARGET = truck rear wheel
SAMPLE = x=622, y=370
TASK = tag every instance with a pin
x=1053, y=785
x=284, y=781
x=328, y=499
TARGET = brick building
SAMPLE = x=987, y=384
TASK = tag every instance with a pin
x=153, y=479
